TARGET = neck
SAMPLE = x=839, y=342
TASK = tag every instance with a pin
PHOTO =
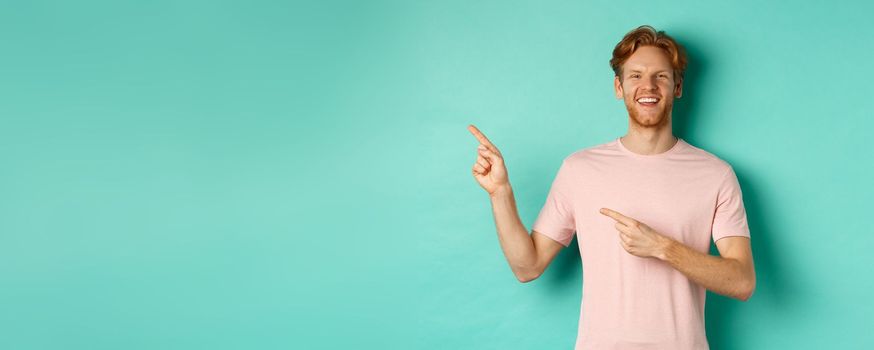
x=648, y=141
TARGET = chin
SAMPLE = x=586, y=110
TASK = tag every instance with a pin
x=648, y=123
x=652, y=119
x=656, y=120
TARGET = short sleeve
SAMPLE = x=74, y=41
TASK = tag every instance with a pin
x=730, y=218
x=556, y=219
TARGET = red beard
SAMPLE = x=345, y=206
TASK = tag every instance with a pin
x=660, y=118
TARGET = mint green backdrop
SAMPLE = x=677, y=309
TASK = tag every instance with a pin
x=296, y=175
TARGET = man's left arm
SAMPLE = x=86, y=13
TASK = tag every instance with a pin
x=731, y=274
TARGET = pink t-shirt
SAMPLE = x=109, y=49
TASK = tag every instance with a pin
x=631, y=302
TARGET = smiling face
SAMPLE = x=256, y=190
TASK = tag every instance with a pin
x=648, y=87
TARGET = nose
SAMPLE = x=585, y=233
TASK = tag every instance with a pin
x=649, y=83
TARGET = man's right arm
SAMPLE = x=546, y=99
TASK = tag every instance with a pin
x=528, y=255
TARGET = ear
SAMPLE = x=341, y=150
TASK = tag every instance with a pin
x=678, y=89
x=617, y=87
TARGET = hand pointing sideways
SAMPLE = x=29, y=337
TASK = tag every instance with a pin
x=636, y=237
x=489, y=169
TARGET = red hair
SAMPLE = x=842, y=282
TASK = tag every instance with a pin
x=647, y=36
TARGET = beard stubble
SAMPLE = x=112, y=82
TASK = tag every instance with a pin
x=661, y=118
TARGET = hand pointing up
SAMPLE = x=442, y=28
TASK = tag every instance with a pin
x=489, y=169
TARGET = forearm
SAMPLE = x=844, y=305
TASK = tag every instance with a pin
x=720, y=275
x=515, y=241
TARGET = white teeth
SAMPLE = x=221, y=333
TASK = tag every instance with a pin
x=647, y=99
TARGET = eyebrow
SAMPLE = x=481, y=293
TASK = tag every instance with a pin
x=640, y=71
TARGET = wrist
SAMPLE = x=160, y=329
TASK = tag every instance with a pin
x=502, y=191
x=664, y=248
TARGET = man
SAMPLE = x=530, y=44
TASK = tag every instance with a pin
x=644, y=208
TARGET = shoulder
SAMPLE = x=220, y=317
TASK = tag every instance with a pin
x=719, y=167
x=592, y=153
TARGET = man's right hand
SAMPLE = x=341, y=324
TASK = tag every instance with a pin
x=489, y=169
x=528, y=255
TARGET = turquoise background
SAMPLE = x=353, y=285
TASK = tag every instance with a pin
x=296, y=175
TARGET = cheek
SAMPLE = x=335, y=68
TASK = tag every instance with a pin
x=671, y=86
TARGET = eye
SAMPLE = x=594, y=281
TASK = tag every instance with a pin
x=635, y=76
x=663, y=76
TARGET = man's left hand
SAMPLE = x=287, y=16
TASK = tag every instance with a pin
x=637, y=238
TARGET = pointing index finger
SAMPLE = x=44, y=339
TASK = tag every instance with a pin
x=617, y=216
x=479, y=136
